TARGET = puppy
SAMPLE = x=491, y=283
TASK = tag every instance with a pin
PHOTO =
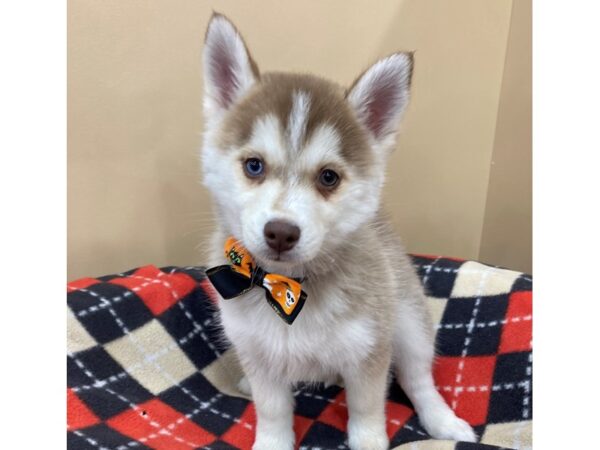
x=295, y=165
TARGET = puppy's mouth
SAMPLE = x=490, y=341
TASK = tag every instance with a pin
x=281, y=262
x=292, y=261
x=283, y=257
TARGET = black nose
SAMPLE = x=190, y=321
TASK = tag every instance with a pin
x=281, y=236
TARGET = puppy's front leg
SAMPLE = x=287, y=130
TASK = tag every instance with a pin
x=366, y=391
x=414, y=354
x=274, y=405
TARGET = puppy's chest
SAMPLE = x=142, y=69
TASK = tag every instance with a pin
x=325, y=338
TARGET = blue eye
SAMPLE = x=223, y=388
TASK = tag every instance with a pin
x=254, y=167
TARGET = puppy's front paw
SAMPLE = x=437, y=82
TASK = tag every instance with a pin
x=271, y=441
x=367, y=436
x=444, y=424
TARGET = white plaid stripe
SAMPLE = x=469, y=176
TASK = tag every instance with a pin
x=90, y=441
x=408, y=427
x=524, y=384
x=108, y=302
x=493, y=323
x=140, y=348
x=170, y=427
x=470, y=327
x=428, y=270
x=191, y=318
x=162, y=371
x=527, y=390
x=129, y=370
x=204, y=406
x=127, y=401
x=185, y=311
x=118, y=298
x=336, y=402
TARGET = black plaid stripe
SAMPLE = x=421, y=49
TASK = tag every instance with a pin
x=107, y=278
x=194, y=324
x=215, y=412
x=179, y=400
x=311, y=401
x=220, y=445
x=412, y=431
x=90, y=365
x=107, y=402
x=100, y=436
x=106, y=310
x=437, y=274
x=510, y=399
x=523, y=283
x=102, y=384
x=323, y=436
x=397, y=395
x=484, y=330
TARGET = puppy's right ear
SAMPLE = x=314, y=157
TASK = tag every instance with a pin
x=229, y=71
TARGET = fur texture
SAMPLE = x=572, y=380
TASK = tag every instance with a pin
x=365, y=310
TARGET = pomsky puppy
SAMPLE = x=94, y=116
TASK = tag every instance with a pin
x=296, y=165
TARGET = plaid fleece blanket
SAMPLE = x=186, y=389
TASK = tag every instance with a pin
x=148, y=368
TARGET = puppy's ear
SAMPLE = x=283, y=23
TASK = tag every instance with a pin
x=380, y=95
x=229, y=71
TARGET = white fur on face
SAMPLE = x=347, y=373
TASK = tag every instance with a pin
x=267, y=142
x=322, y=148
x=289, y=191
x=294, y=160
x=298, y=119
x=287, y=200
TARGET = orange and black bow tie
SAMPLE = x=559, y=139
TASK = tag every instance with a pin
x=285, y=295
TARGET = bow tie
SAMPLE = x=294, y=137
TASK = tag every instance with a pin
x=285, y=295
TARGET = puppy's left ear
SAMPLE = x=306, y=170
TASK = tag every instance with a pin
x=229, y=71
x=380, y=95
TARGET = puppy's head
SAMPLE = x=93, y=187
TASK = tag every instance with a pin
x=295, y=163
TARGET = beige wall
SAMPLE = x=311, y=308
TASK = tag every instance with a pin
x=506, y=236
x=134, y=114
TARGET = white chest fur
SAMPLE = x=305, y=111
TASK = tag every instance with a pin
x=324, y=341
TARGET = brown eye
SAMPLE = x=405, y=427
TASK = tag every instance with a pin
x=254, y=167
x=328, y=178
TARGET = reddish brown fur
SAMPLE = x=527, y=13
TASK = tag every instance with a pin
x=273, y=94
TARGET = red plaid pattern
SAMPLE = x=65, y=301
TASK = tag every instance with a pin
x=143, y=424
x=517, y=331
x=147, y=368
